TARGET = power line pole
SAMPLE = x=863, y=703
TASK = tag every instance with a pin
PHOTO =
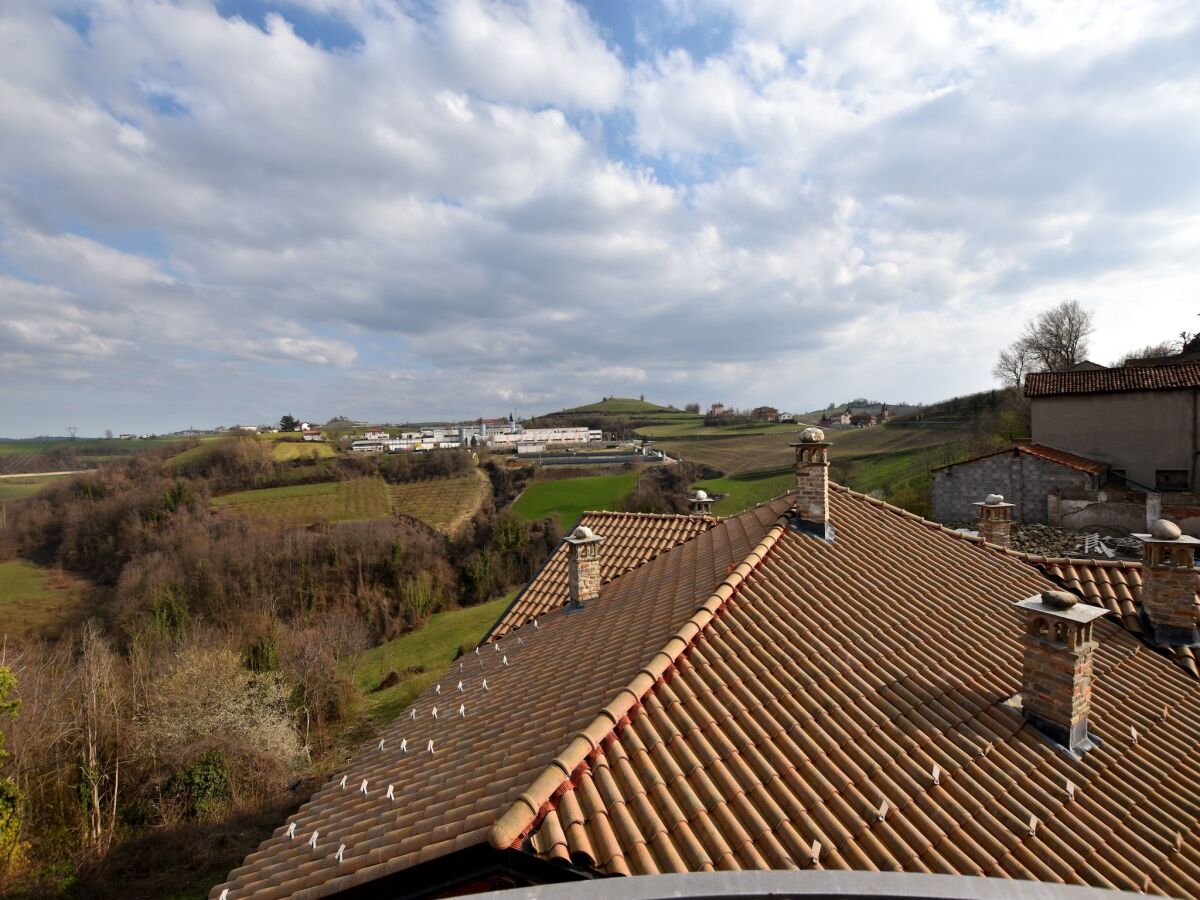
x=72, y=430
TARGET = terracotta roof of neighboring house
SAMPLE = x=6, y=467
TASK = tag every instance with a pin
x=630, y=539
x=833, y=679
x=1041, y=451
x=571, y=666
x=1126, y=378
x=756, y=689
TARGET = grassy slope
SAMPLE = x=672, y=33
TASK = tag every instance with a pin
x=16, y=488
x=567, y=498
x=35, y=600
x=441, y=502
x=696, y=426
x=432, y=648
x=618, y=406
x=291, y=449
x=745, y=491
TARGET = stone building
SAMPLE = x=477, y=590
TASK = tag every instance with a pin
x=1027, y=475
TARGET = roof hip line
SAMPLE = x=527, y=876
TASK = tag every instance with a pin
x=531, y=805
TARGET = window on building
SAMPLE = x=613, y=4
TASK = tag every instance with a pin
x=1171, y=480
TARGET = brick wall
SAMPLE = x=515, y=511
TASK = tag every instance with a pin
x=1023, y=480
x=584, y=571
x=1169, y=586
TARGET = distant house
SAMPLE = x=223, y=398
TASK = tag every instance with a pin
x=244, y=429
x=885, y=414
x=862, y=420
x=312, y=434
x=128, y=437
x=376, y=435
x=765, y=414
x=717, y=409
x=786, y=417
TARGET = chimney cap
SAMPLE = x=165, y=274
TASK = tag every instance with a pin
x=995, y=501
x=700, y=495
x=1164, y=531
x=583, y=535
x=1074, y=612
x=812, y=435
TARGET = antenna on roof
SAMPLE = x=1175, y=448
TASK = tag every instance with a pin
x=312, y=841
x=341, y=852
x=816, y=852
x=291, y=832
x=363, y=787
x=391, y=793
x=937, y=776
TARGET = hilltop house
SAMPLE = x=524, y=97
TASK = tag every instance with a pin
x=862, y=420
x=311, y=434
x=765, y=414
x=786, y=418
x=823, y=682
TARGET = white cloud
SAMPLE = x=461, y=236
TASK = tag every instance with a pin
x=477, y=206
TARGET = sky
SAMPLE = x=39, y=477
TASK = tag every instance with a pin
x=403, y=210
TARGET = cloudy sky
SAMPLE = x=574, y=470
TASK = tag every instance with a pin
x=400, y=209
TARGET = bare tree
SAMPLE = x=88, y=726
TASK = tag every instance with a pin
x=1162, y=348
x=1053, y=341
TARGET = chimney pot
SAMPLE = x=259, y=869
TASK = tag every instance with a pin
x=995, y=520
x=583, y=565
x=1056, y=683
x=812, y=483
x=1169, y=585
x=700, y=503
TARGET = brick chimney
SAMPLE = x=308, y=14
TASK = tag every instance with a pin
x=583, y=565
x=700, y=504
x=1056, y=685
x=1169, y=584
x=812, y=482
x=995, y=520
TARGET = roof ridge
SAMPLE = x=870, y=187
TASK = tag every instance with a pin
x=646, y=515
x=519, y=819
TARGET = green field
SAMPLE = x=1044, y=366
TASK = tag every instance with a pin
x=26, y=486
x=695, y=426
x=284, y=449
x=420, y=657
x=36, y=601
x=746, y=490
x=567, y=498
x=440, y=502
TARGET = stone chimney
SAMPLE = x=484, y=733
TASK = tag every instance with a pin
x=995, y=520
x=1169, y=584
x=700, y=504
x=1056, y=687
x=583, y=565
x=812, y=482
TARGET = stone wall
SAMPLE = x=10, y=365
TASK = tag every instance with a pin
x=1024, y=480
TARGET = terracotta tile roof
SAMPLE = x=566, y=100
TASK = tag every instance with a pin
x=555, y=680
x=755, y=689
x=833, y=680
x=1126, y=378
x=630, y=539
x=1041, y=451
